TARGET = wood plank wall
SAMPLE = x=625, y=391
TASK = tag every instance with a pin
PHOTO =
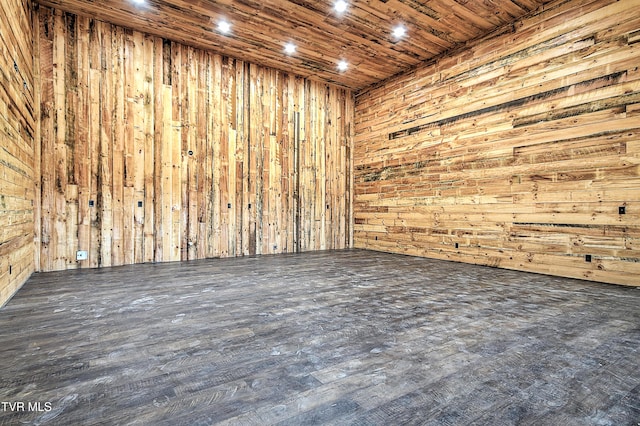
x=154, y=151
x=516, y=152
x=17, y=134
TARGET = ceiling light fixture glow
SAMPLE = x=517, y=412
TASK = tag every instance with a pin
x=399, y=31
x=224, y=27
x=340, y=6
x=343, y=65
x=289, y=48
x=138, y=2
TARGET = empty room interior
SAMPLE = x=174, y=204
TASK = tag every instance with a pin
x=358, y=212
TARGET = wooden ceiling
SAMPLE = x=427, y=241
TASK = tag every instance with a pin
x=361, y=36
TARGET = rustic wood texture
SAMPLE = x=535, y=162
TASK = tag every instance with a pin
x=156, y=151
x=347, y=337
x=17, y=134
x=517, y=152
x=362, y=35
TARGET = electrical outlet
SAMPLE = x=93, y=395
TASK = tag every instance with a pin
x=82, y=255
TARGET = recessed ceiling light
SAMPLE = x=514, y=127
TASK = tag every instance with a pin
x=224, y=27
x=289, y=48
x=343, y=65
x=399, y=31
x=340, y=6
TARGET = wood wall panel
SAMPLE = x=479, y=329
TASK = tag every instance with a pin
x=154, y=151
x=516, y=152
x=17, y=134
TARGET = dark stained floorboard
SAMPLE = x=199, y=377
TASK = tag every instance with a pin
x=336, y=337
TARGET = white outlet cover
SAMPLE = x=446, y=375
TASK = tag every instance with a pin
x=82, y=255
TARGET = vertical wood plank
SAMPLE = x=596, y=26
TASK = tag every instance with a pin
x=47, y=142
x=162, y=56
x=149, y=150
x=230, y=96
x=226, y=198
x=105, y=175
x=117, y=142
x=130, y=98
x=217, y=188
x=244, y=96
x=138, y=111
x=185, y=154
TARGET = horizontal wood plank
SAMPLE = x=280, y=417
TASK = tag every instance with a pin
x=19, y=108
x=519, y=152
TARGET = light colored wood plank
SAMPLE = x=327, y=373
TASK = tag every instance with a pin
x=141, y=105
x=520, y=149
x=20, y=109
x=361, y=34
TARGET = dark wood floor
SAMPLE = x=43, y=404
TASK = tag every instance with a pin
x=341, y=337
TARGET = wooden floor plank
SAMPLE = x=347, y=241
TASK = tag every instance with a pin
x=331, y=337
